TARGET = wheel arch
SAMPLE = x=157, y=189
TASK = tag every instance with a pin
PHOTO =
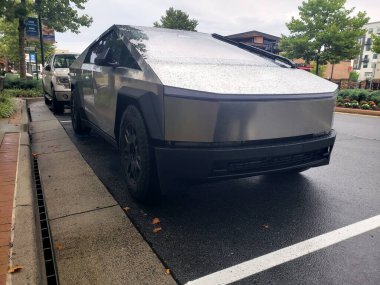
x=145, y=102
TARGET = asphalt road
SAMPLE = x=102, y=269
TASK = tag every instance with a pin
x=209, y=227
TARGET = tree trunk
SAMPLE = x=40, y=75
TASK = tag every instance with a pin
x=317, y=67
x=332, y=71
x=21, y=42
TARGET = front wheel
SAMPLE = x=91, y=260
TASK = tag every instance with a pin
x=76, y=119
x=58, y=106
x=137, y=157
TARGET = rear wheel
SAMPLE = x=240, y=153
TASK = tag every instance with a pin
x=137, y=157
x=76, y=119
x=58, y=106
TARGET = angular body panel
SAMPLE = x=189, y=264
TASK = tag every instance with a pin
x=211, y=109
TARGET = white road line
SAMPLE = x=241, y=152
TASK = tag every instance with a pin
x=256, y=265
x=66, y=121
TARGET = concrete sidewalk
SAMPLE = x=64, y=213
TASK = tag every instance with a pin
x=20, y=242
x=94, y=241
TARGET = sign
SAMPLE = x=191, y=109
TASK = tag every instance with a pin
x=48, y=34
x=31, y=28
x=30, y=48
x=32, y=57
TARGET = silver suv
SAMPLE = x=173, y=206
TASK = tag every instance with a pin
x=55, y=80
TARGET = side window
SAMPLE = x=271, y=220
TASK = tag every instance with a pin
x=119, y=51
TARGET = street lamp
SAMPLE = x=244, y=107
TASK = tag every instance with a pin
x=38, y=6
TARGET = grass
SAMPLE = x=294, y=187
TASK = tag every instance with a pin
x=24, y=93
x=7, y=105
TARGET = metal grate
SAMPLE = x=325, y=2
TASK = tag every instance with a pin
x=47, y=245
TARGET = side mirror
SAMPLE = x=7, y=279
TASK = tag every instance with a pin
x=105, y=59
x=48, y=67
x=100, y=61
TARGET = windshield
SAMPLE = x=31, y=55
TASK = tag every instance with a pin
x=64, y=60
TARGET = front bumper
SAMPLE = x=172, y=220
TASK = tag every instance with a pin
x=63, y=95
x=217, y=163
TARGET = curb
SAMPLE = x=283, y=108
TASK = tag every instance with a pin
x=357, y=111
x=26, y=247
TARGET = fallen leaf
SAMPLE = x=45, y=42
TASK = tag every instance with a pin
x=155, y=221
x=266, y=226
x=16, y=268
x=156, y=230
x=167, y=271
x=126, y=209
x=58, y=245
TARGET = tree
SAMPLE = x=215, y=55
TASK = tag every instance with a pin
x=60, y=15
x=322, y=69
x=375, y=43
x=176, y=19
x=354, y=76
x=324, y=32
x=9, y=42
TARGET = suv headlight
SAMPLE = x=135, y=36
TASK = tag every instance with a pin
x=62, y=80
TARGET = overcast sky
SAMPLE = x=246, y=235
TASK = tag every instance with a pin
x=221, y=16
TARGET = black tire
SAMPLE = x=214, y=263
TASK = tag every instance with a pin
x=137, y=157
x=47, y=101
x=76, y=120
x=58, y=106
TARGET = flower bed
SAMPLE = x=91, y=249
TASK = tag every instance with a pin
x=358, y=99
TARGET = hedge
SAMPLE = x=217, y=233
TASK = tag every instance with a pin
x=7, y=105
x=25, y=93
x=359, y=95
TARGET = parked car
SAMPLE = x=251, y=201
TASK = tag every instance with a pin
x=195, y=106
x=55, y=80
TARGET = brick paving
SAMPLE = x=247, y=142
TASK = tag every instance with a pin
x=8, y=170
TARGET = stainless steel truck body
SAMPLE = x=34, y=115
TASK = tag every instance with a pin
x=197, y=106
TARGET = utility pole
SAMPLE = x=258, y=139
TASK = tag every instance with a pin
x=38, y=5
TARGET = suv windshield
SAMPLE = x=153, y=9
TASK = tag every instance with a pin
x=64, y=60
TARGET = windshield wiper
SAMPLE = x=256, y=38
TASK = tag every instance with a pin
x=274, y=57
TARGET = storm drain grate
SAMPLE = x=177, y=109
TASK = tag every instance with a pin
x=47, y=245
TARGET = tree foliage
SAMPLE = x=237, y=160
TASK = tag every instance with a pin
x=60, y=15
x=324, y=32
x=9, y=42
x=375, y=43
x=177, y=19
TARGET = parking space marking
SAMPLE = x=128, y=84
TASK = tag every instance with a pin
x=259, y=264
x=69, y=121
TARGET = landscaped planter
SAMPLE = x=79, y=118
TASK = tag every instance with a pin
x=357, y=111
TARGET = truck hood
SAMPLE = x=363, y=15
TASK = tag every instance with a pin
x=241, y=79
x=61, y=71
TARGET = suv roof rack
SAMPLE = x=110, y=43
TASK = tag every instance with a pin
x=256, y=50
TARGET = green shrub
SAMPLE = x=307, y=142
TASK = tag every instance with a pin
x=340, y=104
x=13, y=81
x=374, y=96
x=362, y=94
x=7, y=106
x=347, y=105
x=344, y=93
x=355, y=105
x=365, y=106
x=25, y=93
x=353, y=95
x=374, y=107
x=340, y=100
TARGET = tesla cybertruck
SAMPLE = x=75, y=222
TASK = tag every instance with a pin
x=199, y=107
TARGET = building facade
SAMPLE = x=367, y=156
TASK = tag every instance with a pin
x=367, y=63
x=258, y=39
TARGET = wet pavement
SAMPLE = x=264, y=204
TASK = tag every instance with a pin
x=209, y=227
